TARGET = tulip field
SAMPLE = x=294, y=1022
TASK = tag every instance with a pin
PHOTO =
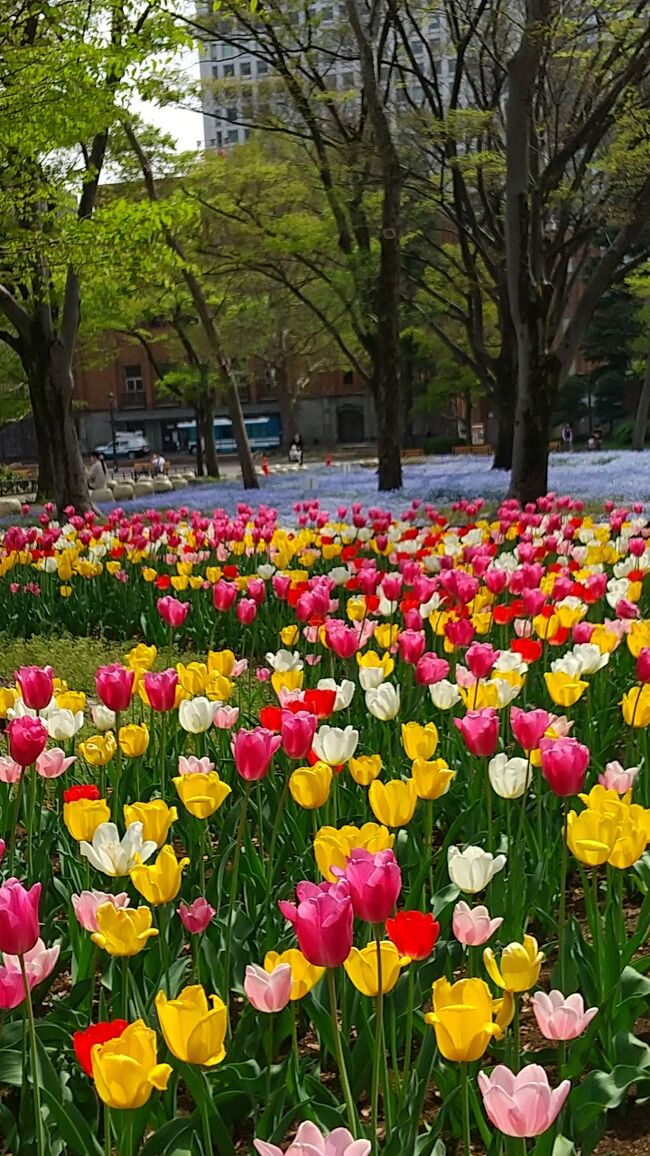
x=367, y=875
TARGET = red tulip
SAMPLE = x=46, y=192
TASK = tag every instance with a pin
x=413, y=933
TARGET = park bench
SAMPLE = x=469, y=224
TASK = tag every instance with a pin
x=483, y=450
x=412, y=452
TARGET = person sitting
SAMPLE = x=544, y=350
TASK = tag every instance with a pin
x=97, y=475
x=158, y=464
x=296, y=449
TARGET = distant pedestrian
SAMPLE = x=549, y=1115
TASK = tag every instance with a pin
x=97, y=475
x=296, y=449
x=567, y=437
x=158, y=464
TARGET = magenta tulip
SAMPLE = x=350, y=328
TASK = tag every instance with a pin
x=642, y=665
x=480, y=658
x=564, y=765
x=19, y=925
x=411, y=645
x=12, y=989
x=297, y=732
x=521, y=1105
x=27, y=739
x=246, y=611
x=161, y=689
x=196, y=916
x=431, y=669
x=375, y=882
x=322, y=921
x=253, y=751
x=268, y=991
x=480, y=730
x=560, y=1017
x=36, y=686
x=172, y=611
x=529, y=726
x=224, y=594
x=114, y=685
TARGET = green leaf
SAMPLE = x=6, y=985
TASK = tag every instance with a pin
x=176, y=1138
x=71, y=1124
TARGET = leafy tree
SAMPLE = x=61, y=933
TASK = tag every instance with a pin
x=609, y=344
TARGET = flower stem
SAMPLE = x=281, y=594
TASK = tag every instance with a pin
x=14, y=823
x=118, y=771
x=276, y=828
x=379, y=1032
x=562, y=909
x=32, y=819
x=108, y=1147
x=488, y=787
x=467, y=1133
x=163, y=754
x=36, y=1090
x=343, y=1075
x=234, y=878
x=409, y=1026
x=516, y=1036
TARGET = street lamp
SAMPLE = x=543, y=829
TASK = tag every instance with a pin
x=111, y=403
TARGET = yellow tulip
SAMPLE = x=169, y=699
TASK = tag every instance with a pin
x=546, y=627
x=149, y=574
x=126, y=1069
x=141, y=657
x=310, y=786
x=289, y=635
x=156, y=818
x=393, y=803
x=606, y=640
x=74, y=700
x=98, y=750
x=465, y=1018
x=362, y=967
x=65, y=591
x=432, y=779
x=83, y=816
x=194, y=1031
x=373, y=661
x=569, y=615
x=636, y=706
x=159, y=882
x=201, y=794
x=134, y=739
x=608, y=836
x=193, y=678
x=333, y=846
x=520, y=965
x=304, y=975
x=221, y=662
x=481, y=696
x=419, y=742
x=8, y=696
x=219, y=688
x=123, y=930
x=287, y=680
x=386, y=635
x=365, y=769
x=638, y=636
x=563, y=688
x=356, y=609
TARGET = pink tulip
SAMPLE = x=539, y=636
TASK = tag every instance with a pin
x=161, y=689
x=225, y=593
x=50, y=764
x=522, y=1105
x=616, y=778
x=40, y=962
x=322, y=921
x=561, y=1017
x=27, y=739
x=12, y=989
x=19, y=925
x=411, y=645
x=297, y=733
x=10, y=770
x=529, y=726
x=375, y=882
x=192, y=765
x=430, y=669
x=391, y=587
x=310, y=1141
x=256, y=589
x=172, y=611
x=342, y=639
x=246, y=611
x=480, y=730
x=268, y=991
x=36, y=686
x=114, y=685
x=496, y=581
x=253, y=751
x=196, y=916
x=480, y=658
x=86, y=903
x=226, y=717
x=3, y=847
x=472, y=926
x=643, y=665
x=564, y=765
x=459, y=631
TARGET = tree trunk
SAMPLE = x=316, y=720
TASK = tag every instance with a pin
x=642, y=409
x=209, y=444
x=529, y=479
x=506, y=401
x=249, y=477
x=286, y=403
x=54, y=396
x=42, y=431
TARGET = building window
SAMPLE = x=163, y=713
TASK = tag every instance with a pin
x=245, y=68
x=262, y=68
x=133, y=384
x=347, y=80
x=348, y=377
x=233, y=136
x=228, y=71
x=231, y=115
x=215, y=72
x=227, y=51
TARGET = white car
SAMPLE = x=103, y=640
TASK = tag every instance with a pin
x=127, y=445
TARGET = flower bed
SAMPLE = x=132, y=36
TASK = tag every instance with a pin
x=369, y=874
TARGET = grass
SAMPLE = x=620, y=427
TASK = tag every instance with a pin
x=73, y=659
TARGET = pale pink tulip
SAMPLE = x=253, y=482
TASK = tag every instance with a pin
x=473, y=926
x=521, y=1105
x=10, y=770
x=268, y=991
x=561, y=1017
x=86, y=903
x=191, y=765
x=50, y=764
x=226, y=717
x=40, y=962
x=616, y=778
x=310, y=1141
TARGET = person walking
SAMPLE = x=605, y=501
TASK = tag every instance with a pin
x=567, y=437
x=97, y=475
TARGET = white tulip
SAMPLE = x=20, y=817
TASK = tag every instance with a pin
x=590, y=657
x=197, y=714
x=63, y=724
x=509, y=777
x=344, y=691
x=370, y=677
x=114, y=857
x=510, y=660
x=19, y=710
x=383, y=701
x=444, y=694
x=103, y=718
x=284, y=660
x=265, y=571
x=335, y=745
x=567, y=664
x=506, y=691
x=472, y=869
